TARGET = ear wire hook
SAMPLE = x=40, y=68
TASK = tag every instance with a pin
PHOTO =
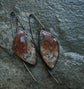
x=36, y=20
x=17, y=19
x=43, y=28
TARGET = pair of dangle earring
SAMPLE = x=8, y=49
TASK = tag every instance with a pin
x=24, y=45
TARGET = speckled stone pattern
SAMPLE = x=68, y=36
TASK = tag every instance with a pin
x=62, y=18
x=49, y=48
x=24, y=47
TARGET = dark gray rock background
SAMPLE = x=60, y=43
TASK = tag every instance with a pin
x=65, y=20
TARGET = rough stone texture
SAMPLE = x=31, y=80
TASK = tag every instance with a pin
x=65, y=20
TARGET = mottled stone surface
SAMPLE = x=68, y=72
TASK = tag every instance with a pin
x=65, y=20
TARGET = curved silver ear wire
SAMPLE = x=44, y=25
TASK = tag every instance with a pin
x=52, y=76
x=37, y=20
x=26, y=66
x=43, y=28
x=13, y=15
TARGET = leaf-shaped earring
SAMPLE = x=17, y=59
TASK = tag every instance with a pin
x=49, y=47
x=23, y=45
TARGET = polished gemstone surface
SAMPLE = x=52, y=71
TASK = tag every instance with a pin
x=24, y=47
x=49, y=48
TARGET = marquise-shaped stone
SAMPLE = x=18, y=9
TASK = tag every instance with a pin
x=49, y=48
x=24, y=47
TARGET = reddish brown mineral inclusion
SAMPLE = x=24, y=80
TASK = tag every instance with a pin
x=19, y=46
